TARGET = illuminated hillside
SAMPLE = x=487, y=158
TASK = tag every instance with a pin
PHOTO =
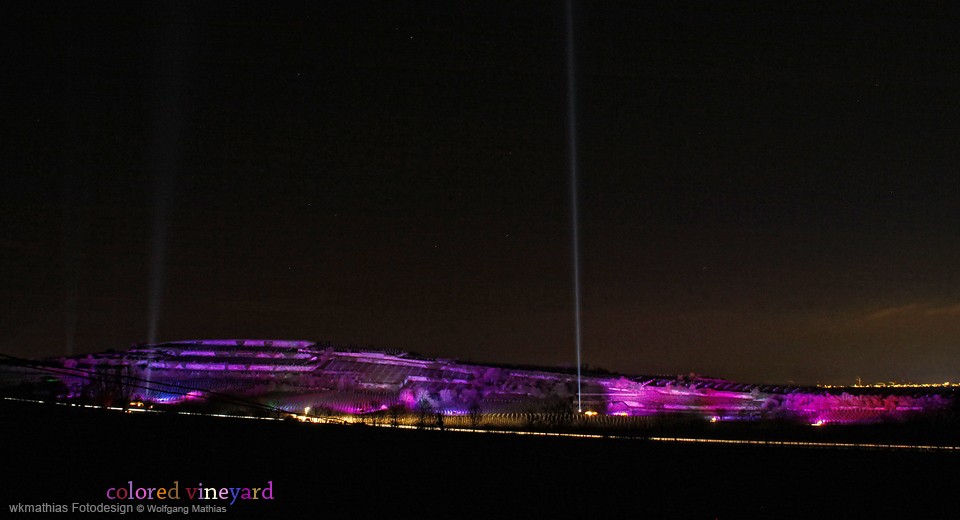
x=327, y=379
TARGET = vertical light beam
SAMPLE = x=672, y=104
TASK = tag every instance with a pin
x=165, y=156
x=158, y=246
x=572, y=111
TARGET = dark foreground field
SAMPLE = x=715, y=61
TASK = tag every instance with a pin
x=61, y=455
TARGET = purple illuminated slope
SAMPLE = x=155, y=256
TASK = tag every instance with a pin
x=298, y=376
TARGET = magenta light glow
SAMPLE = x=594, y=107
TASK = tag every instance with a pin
x=297, y=375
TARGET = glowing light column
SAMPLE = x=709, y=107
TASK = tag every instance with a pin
x=572, y=109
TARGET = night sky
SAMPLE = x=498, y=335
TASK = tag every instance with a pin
x=768, y=192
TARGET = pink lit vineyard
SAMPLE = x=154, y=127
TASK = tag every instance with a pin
x=298, y=376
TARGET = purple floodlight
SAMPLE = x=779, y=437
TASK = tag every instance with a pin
x=296, y=375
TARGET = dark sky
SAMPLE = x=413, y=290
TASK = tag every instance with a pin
x=767, y=192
